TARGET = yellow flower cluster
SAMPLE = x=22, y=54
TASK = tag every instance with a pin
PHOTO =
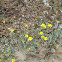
x=41, y=33
x=45, y=38
x=13, y=60
x=43, y=25
x=49, y=25
x=29, y=38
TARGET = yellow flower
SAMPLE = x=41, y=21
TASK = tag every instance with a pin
x=42, y=36
x=50, y=25
x=43, y=25
x=3, y=21
x=13, y=60
x=26, y=35
x=5, y=54
x=57, y=46
x=45, y=38
x=29, y=48
x=30, y=38
x=41, y=33
x=12, y=30
x=26, y=25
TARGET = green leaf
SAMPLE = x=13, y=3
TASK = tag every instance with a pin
x=2, y=40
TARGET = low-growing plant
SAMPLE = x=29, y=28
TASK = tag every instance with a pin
x=44, y=34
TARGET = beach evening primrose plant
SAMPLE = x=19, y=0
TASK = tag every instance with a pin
x=41, y=37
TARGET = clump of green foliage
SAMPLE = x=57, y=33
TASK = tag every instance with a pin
x=30, y=39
